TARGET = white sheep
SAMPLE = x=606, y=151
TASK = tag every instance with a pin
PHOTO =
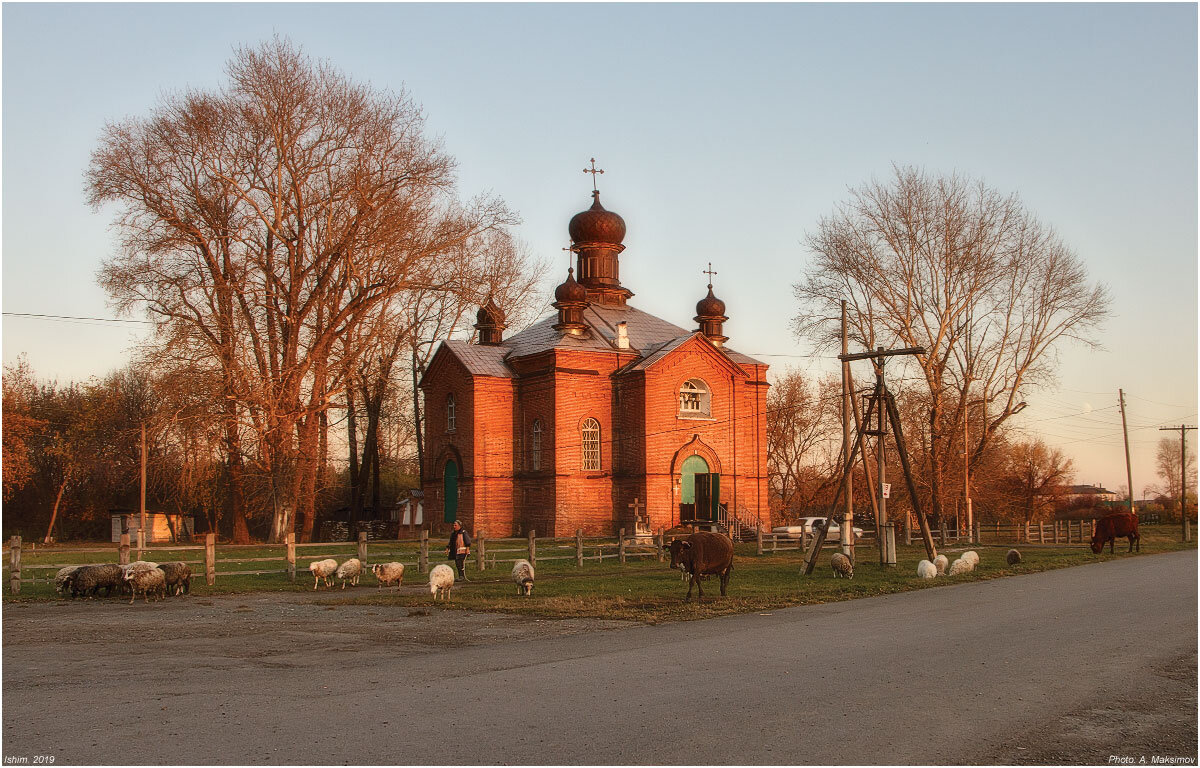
x=926, y=570
x=961, y=566
x=138, y=565
x=322, y=569
x=522, y=576
x=60, y=578
x=971, y=557
x=388, y=574
x=441, y=578
x=940, y=562
x=146, y=581
x=1013, y=557
x=350, y=571
x=842, y=567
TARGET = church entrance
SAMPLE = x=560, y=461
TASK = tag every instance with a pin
x=699, y=491
x=450, y=492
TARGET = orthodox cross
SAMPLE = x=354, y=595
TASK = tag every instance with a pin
x=570, y=253
x=636, y=506
x=710, y=273
x=593, y=170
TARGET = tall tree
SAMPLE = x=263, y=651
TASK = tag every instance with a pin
x=1166, y=462
x=803, y=440
x=1034, y=472
x=951, y=265
x=261, y=224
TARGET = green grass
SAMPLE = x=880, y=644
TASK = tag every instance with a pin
x=642, y=589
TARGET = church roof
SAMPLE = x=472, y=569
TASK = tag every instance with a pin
x=479, y=359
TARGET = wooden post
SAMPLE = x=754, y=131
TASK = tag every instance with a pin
x=1027, y=531
x=908, y=529
x=942, y=530
x=362, y=546
x=423, y=556
x=578, y=547
x=141, y=542
x=480, y=550
x=621, y=545
x=1041, y=531
x=659, y=542
x=1057, y=526
x=533, y=547
x=759, y=537
x=14, y=574
x=210, y=559
x=123, y=550
x=291, y=555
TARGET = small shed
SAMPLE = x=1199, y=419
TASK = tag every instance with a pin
x=160, y=526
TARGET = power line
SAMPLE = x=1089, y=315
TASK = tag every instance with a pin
x=42, y=316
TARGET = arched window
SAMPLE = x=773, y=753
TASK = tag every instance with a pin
x=535, y=445
x=450, y=417
x=695, y=398
x=590, y=433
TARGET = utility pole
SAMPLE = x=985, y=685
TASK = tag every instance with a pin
x=966, y=439
x=142, y=504
x=848, y=500
x=1183, y=518
x=1128, y=469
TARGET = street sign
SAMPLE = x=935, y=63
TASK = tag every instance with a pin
x=887, y=490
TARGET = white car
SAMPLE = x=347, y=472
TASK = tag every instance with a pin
x=808, y=525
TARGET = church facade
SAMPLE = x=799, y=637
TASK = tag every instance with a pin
x=599, y=417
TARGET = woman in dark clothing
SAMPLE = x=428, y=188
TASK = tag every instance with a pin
x=458, y=548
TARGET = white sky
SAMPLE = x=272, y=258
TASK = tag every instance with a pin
x=726, y=132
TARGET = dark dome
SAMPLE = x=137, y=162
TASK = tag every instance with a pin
x=570, y=291
x=710, y=306
x=490, y=314
x=596, y=225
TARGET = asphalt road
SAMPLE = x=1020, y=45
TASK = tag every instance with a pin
x=1068, y=666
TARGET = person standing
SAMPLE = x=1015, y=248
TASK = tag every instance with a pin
x=458, y=548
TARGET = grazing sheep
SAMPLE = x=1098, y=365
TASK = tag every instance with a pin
x=441, y=578
x=322, y=569
x=971, y=557
x=961, y=566
x=926, y=570
x=90, y=579
x=146, y=581
x=940, y=562
x=1013, y=557
x=60, y=578
x=522, y=576
x=388, y=574
x=179, y=577
x=842, y=567
x=350, y=571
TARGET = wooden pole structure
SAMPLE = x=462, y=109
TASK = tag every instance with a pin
x=1128, y=468
x=142, y=495
x=362, y=546
x=848, y=497
x=579, y=547
x=658, y=543
x=423, y=554
x=210, y=559
x=1183, y=518
x=14, y=564
x=291, y=555
x=123, y=550
x=872, y=486
x=533, y=547
x=481, y=550
x=621, y=545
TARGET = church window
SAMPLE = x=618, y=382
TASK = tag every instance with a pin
x=451, y=418
x=535, y=446
x=695, y=398
x=590, y=433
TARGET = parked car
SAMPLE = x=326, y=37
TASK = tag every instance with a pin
x=808, y=525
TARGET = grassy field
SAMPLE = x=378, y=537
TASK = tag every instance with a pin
x=642, y=589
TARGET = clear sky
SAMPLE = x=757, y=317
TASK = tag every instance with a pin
x=726, y=132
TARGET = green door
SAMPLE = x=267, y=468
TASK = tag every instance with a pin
x=692, y=466
x=450, y=492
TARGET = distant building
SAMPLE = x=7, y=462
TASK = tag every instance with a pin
x=160, y=527
x=1095, y=494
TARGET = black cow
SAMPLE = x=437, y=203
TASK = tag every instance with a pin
x=701, y=554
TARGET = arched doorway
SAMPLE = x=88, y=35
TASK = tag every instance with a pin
x=689, y=510
x=450, y=491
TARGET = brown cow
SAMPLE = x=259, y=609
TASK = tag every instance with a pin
x=1109, y=527
x=700, y=554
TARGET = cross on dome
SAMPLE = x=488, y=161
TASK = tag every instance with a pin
x=710, y=273
x=593, y=170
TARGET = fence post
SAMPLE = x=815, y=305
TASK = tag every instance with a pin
x=123, y=550
x=1027, y=531
x=978, y=532
x=621, y=545
x=423, y=556
x=362, y=546
x=1187, y=529
x=480, y=550
x=14, y=574
x=578, y=547
x=658, y=544
x=942, y=530
x=908, y=530
x=291, y=555
x=759, y=537
x=533, y=547
x=210, y=559
x=1041, y=531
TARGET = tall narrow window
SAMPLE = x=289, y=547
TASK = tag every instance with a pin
x=535, y=445
x=450, y=417
x=590, y=433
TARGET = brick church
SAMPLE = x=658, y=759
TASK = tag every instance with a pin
x=598, y=417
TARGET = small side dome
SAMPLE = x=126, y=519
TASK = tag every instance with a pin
x=490, y=314
x=596, y=225
x=570, y=291
x=710, y=305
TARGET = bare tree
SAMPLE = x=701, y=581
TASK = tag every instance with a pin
x=951, y=265
x=803, y=440
x=1166, y=462
x=1035, y=472
x=261, y=224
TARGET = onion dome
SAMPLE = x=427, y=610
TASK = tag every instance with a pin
x=489, y=321
x=570, y=291
x=596, y=225
x=710, y=314
x=710, y=306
